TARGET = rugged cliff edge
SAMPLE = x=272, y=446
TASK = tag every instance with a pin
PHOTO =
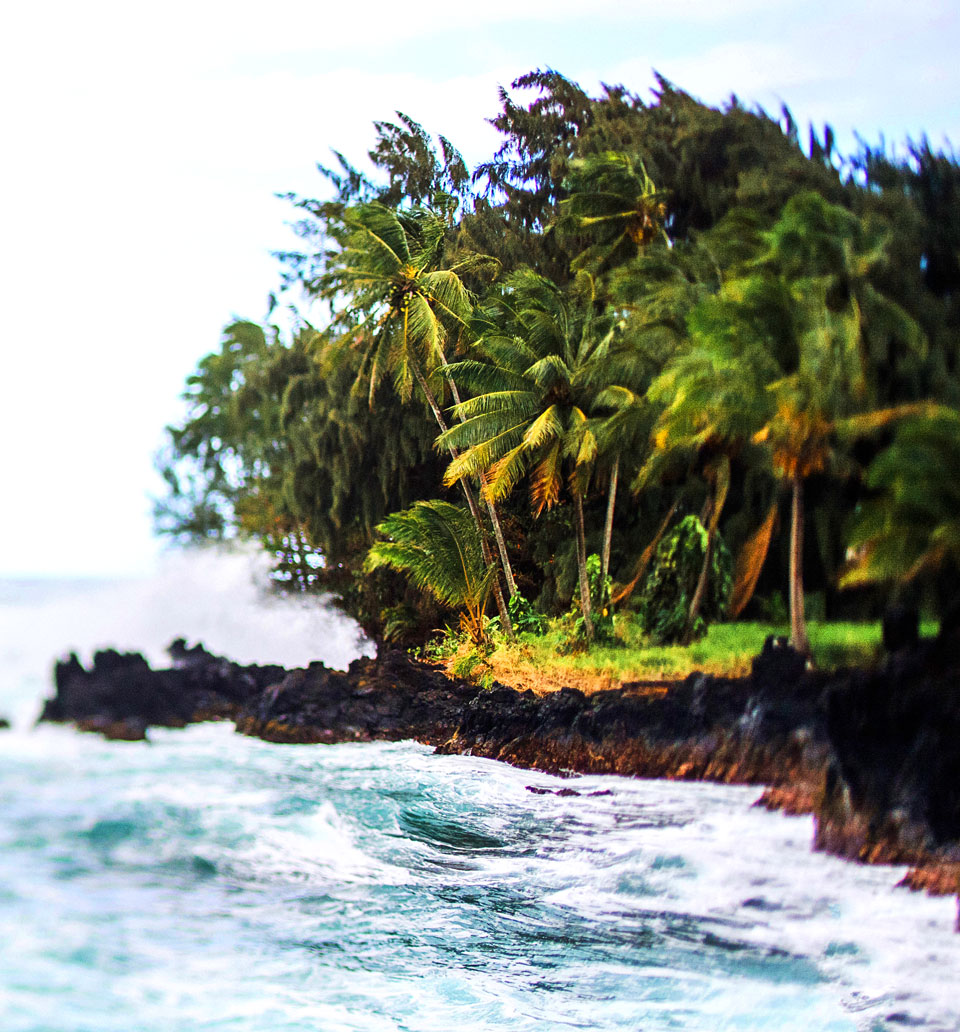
x=873, y=754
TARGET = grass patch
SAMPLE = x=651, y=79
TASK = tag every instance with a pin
x=538, y=662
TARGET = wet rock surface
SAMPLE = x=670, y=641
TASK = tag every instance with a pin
x=391, y=697
x=891, y=791
x=873, y=754
x=388, y=698
x=121, y=696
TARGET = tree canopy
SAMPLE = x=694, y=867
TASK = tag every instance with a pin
x=703, y=303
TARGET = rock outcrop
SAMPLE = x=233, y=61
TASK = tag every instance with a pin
x=387, y=699
x=120, y=695
x=767, y=729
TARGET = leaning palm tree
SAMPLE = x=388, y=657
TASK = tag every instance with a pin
x=532, y=393
x=388, y=273
x=911, y=527
x=777, y=360
x=819, y=261
x=707, y=418
x=615, y=204
x=623, y=421
x=437, y=546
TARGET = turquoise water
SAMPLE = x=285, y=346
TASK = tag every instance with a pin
x=206, y=881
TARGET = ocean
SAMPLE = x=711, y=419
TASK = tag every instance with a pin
x=207, y=881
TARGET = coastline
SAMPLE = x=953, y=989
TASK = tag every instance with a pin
x=873, y=755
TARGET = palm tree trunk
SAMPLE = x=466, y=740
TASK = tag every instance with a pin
x=504, y=613
x=585, y=605
x=608, y=523
x=501, y=545
x=491, y=508
x=647, y=554
x=798, y=622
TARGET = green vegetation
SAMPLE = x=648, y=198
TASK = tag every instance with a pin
x=651, y=366
x=675, y=574
x=912, y=526
x=437, y=545
x=544, y=662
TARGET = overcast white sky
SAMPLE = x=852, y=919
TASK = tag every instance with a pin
x=142, y=146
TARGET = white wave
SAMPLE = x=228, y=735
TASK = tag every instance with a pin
x=751, y=875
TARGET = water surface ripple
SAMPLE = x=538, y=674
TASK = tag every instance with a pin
x=206, y=881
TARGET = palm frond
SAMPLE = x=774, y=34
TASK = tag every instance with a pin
x=546, y=482
x=480, y=458
x=547, y=426
x=437, y=546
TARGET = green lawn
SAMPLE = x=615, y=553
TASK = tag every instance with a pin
x=541, y=662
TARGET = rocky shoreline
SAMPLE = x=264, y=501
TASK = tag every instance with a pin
x=874, y=755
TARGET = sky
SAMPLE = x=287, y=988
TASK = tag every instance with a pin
x=144, y=145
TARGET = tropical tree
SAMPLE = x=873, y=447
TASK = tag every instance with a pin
x=523, y=182
x=703, y=419
x=532, y=396
x=437, y=546
x=349, y=464
x=778, y=320
x=615, y=204
x=911, y=527
x=228, y=446
x=778, y=359
x=388, y=272
x=616, y=208
x=622, y=422
x=824, y=258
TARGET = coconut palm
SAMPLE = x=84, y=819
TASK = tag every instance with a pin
x=824, y=257
x=777, y=359
x=831, y=258
x=655, y=291
x=388, y=273
x=912, y=527
x=704, y=421
x=533, y=391
x=437, y=546
x=622, y=425
x=614, y=203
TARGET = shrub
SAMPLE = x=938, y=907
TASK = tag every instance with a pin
x=465, y=665
x=525, y=619
x=600, y=601
x=669, y=587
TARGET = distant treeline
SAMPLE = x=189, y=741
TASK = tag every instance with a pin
x=634, y=312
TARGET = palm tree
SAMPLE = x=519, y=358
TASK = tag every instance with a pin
x=613, y=201
x=823, y=257
x=437, y=546
x=777, y=360
x=532, y=398
x=388, y=272
x=615, y=204
x=831, y=259
x=623, y=430
x=912, y=527
x=655, y=289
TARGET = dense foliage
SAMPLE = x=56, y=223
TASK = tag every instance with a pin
x=664, y=603
x=671, y=324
